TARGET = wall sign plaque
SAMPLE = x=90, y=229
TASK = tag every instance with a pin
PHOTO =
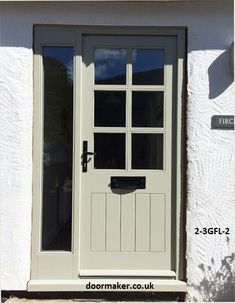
x=222, y=122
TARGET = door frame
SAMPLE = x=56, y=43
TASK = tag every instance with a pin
x=64, y=265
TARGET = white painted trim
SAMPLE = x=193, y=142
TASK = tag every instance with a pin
x=80, y=285
x=126, y=273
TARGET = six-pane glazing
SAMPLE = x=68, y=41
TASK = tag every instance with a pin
x=147, y=106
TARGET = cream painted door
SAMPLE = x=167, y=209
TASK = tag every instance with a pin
x=126, y=187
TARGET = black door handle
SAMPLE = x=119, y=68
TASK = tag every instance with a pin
x=90, y=153
x=85, y=159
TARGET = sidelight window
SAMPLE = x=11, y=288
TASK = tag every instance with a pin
x=57, y=148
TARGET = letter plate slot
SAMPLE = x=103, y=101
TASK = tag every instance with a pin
x=128, y=182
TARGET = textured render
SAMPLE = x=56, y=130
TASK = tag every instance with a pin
x=210, y=184
x=210, y=271
x=210, y=175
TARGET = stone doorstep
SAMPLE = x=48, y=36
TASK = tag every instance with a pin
x=22, y=300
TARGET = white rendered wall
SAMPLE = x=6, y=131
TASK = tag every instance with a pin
x=210, y=184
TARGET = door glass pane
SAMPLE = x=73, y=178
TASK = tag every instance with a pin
x=148, y=66
x=147, y=151
x=110, y=150
x=147, y=109
x=57, y=148
x=110, y=66
x=110, y=108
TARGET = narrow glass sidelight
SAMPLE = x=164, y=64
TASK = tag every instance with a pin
x=57, y=148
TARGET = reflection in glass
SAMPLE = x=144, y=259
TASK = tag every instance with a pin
x=110, y=108
x=110, y=150
x=57, y=148
x=110, y=66
x=148, y=66
x=147, y=109
x=147, y=151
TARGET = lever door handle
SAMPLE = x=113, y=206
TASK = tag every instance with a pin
x=90, y=153
x=85, y=159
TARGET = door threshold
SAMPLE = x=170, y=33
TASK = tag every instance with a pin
x=127, y=273
x=108, y=284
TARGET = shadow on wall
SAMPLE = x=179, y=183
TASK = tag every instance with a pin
x=220, y=76
x=217, y=285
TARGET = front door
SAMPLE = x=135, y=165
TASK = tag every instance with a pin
x=126, y=178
